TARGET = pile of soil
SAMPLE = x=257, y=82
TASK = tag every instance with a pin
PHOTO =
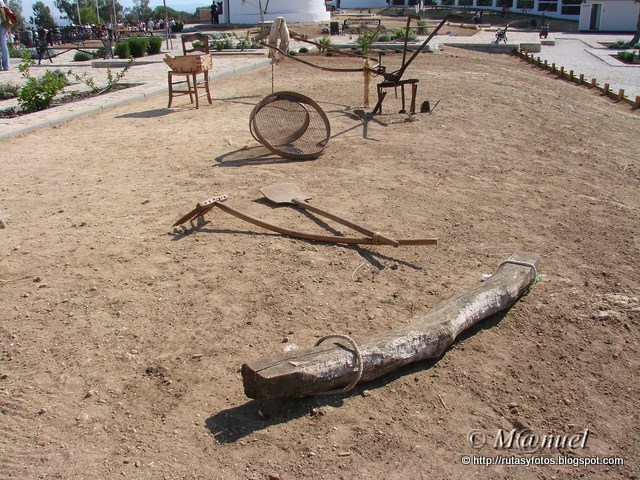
x=121, y=342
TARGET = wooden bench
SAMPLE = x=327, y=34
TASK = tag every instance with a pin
x=357, y=24
x=76, y=37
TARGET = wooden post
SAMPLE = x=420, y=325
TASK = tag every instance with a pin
x=367, y=77
x=620, y=94
x=605, y=89
x=553, y=68
x=594, y=84
x=546, y=65
x=562, y=72
x=582, y=79
x=637, y=102
x=571, y=77
x=538, y=62
x=301, y=373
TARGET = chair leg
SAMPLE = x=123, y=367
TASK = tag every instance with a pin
x=206, y=86
x=190, y=89
x=195, y=89
x=170, y=78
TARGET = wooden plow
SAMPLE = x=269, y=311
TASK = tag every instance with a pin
x=337, y=368
x=372, y=238
x=394, y=79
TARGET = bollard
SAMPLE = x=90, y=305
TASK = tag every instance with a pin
x=593, y=82
x=582, y=79
x=637, y=102
x=620, y=94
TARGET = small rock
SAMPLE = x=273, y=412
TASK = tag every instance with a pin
x=566, y=401
x=42, y=411
x=61, y=210
x=38, y=279
x=274, y=476
x=144, y=202
x=366, y=393
x=43, y=285
x=512, y=405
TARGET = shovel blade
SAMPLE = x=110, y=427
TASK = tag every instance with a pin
x=284, y=193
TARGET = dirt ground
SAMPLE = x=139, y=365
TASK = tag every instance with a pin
x=121, y=343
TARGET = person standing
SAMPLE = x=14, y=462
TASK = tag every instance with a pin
x=7, y=21
x=215, y=13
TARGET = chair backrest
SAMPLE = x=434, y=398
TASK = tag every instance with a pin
x=195, y=42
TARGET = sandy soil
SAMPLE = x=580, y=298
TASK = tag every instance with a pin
x=121, y=344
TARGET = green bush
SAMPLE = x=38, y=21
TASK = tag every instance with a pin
x=422, y=26
x=304, y=50
x=9, y=90
x=177, y=27
x=399, y=33
x=384, y=38
x=16, y=51
x=99, y=53
x=329, y=54
x=292, y=53
x=138, y=46
x=626, y=56
x=222, y=44
x=155, y=45
x=82, y=56
x=121, y=50
x=37, y=93
x=323, y=43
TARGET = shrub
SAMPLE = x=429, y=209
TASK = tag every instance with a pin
x=323, y=44
x=121, y=50
x=99, y=53
x=9, y=90
x=222, y=44
x=329, y=54
x=384, y=38
x=399, y=34
x=626, y=56
x=82, y=56
x=367, y=39
x=138, y=46
x=38, y=93
x=16, y=51
x=304, y=50
x=422, y=26
x=292, y=53
x=177, y=27
x=155, y=45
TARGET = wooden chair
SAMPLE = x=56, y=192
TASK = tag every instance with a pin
x=191, y=70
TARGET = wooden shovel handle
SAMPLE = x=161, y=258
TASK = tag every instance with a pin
x=378, y=238
x=312, y=236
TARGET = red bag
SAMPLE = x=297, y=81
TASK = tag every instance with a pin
x=10, y=17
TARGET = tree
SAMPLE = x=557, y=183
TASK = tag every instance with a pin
x=42, y=17
x=141, y=9
x=16, y=7
x=69, y=10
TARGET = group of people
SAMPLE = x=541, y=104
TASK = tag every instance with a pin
x=216, y=11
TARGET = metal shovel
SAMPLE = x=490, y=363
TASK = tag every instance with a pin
x=289, y=193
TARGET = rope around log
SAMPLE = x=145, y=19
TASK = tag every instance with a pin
x=524, y=264
x=359, y=364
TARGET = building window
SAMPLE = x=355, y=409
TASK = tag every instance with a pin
x=484, y=3
x=465, y=3
x=448, y=2
x=527, y=4
x=571, y=7
x=548, y=6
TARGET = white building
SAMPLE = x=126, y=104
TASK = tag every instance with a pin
x=294, y=11
x=609, y=15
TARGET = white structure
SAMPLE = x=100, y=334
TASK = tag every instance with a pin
x=294, y=11
x=609, y=15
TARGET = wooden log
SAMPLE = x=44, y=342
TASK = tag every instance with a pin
x=301, y=373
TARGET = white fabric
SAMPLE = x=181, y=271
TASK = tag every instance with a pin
x=279, y=32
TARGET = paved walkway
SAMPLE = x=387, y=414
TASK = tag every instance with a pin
x=579, y=52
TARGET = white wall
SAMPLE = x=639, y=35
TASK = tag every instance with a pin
x=615, y=16
x=247, y=11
